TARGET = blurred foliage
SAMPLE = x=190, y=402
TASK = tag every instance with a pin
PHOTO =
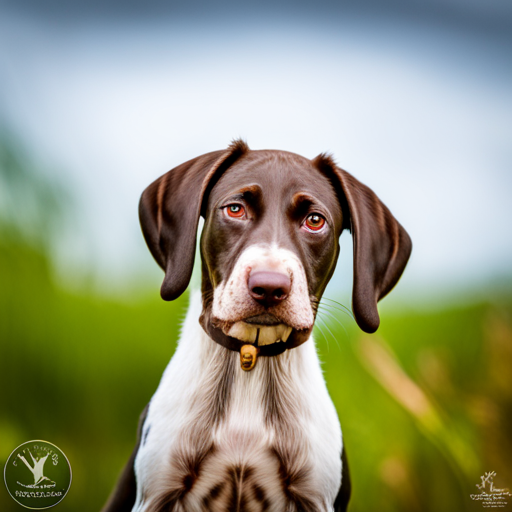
x=425, y=405
x=31, y=205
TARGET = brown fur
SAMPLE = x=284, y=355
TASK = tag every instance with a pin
x=279, y=189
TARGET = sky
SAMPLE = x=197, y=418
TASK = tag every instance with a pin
x=412, y=98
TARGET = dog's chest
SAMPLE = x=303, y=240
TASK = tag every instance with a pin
x=218, y=438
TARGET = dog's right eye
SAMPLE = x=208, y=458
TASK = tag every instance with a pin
x=236, y=211
x=314, y=222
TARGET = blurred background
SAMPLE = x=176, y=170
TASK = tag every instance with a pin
x=99, y=98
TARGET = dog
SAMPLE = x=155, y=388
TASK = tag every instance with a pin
x=242, y=420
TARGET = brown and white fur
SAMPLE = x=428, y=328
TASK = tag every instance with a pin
x=215, y=437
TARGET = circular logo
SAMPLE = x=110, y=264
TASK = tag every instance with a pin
x=37, y=475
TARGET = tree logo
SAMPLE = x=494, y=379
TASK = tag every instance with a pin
x=37, y=475
x=490, y=495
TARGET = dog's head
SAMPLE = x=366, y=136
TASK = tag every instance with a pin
x=270, y=242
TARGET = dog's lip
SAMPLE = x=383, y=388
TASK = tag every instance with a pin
x=218, y=330
x=263, y=319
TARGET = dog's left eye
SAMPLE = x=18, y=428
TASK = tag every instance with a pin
x=314, y=222
x=235, y=210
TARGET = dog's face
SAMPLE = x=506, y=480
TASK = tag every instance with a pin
x=270, y=242
x=269, y=246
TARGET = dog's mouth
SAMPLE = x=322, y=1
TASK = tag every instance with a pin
x=267, y=332
x=260, y=330
x=260, y=334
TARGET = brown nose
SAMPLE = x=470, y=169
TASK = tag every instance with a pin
x=269, y=288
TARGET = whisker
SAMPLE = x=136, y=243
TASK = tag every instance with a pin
x=340, y=304
x=322, y=333
x=327, y=312
x=332, y=306
x=332, y=300
x=333, y=311
x=327, y=327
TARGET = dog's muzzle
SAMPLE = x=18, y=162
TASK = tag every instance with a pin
x=264, y=304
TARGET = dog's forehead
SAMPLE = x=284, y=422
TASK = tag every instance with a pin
x=278, y=174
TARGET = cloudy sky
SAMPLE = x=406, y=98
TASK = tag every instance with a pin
x=413, y=98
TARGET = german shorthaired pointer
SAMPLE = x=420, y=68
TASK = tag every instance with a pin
x=242, y=420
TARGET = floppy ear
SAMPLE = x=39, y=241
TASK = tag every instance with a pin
x=169, y=211
x=381, y=245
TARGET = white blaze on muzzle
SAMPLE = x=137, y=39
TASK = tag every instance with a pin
x=232, y=302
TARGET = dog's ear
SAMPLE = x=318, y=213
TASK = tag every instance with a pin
x=381, y=245
x=169, y=211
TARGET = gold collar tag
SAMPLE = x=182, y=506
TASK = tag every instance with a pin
x=248, y=355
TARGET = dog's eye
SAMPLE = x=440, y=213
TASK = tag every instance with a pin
x=314, y=222
x=235, y=210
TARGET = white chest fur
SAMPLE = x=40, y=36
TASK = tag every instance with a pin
x=216, y=437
